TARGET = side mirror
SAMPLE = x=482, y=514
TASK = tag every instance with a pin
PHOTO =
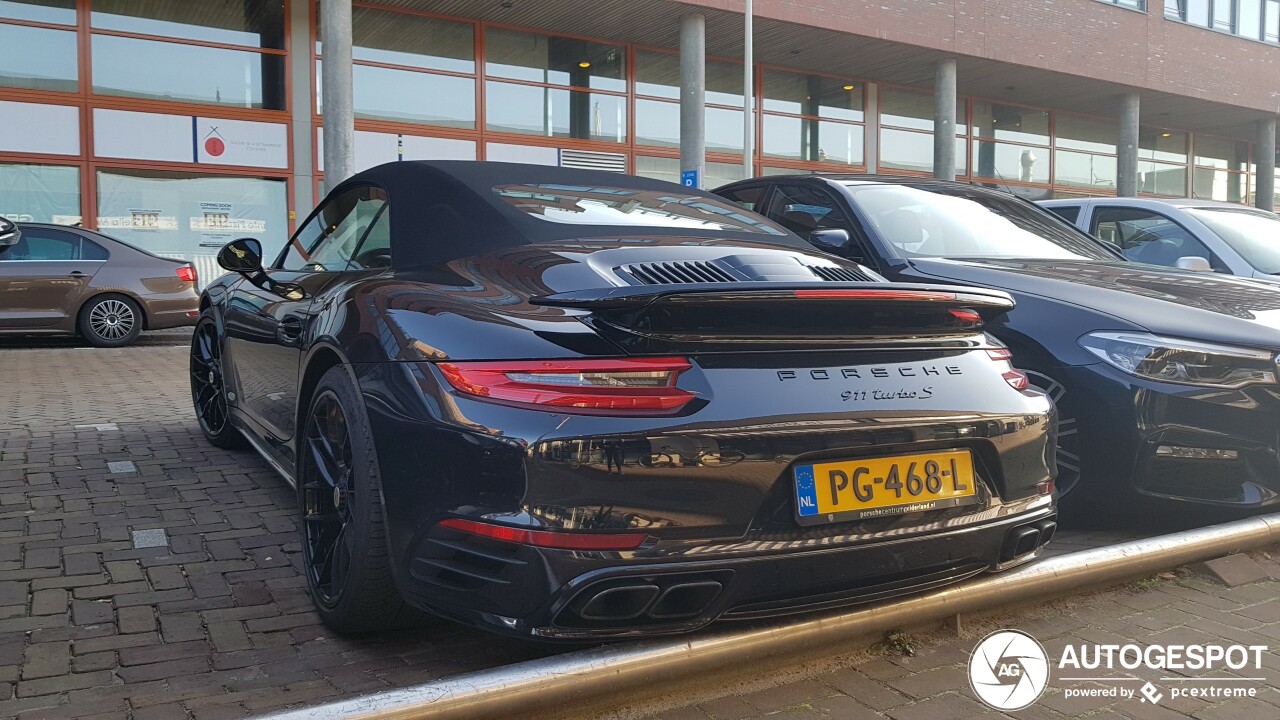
x=832, y=240
x=242, y=256
x=1194, y=263
x=9, y=233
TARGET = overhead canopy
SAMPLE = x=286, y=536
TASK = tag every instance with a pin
x=444, y=210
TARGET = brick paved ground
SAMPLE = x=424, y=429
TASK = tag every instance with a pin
x=1174, y=608
x=217, y=623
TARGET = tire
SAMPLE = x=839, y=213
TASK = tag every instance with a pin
x=208, y=386
x=110, y=321
x=344, y=538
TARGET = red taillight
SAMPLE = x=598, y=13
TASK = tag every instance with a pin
x=619, y=385
x=548, y=539
x=186, y=273
x=1015, y=377
x=1046, y=487
x=876, y=294
x=965, y=315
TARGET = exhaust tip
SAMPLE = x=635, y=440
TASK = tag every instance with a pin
x=619, y=603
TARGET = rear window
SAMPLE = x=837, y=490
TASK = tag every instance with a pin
x=583, y=205
x=1070, y=213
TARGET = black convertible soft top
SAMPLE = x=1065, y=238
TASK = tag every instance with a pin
x=448, y=209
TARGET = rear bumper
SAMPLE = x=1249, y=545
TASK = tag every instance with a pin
x=172, y=318
x=562, y=595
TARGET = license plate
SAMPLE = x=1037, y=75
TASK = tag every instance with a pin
x=877, y=487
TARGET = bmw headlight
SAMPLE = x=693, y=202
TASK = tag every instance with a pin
x=1182, y=361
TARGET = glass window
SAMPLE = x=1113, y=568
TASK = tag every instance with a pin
x=90, y=250
x=189, y=216
x=658, y=125
x=1084, y=170
x=388, y=94
x=1145, y=236
x=1160, y=144
x=714, y=174
x=553, y=112
x=1222, y=15
x=906, y=150
x=1251, y=233
x=40, y=193
x=44, y=244
x=190, y=73
x=374, y=252
x=803, y=209
x=1135, y=4
x=959, y=221
x=748, y=198
x=1210, y=184
x=1250, y=18
x=658, y=75
x=1005, y=122
x=1161, y=179
x=1221, y=152
x=813, y=95
x=1070, y=213
x=46, y=11
x=412, y=40
x=38, y=58
x=630, y=207
x=812, y=140
x=912, y=109
x=330, y=237
x=1010, y=162
x=1271, y=22
x=1090, y=134
x=253, y=23
x=555, y=60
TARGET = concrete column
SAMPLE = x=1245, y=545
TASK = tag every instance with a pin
x=1265, y=196
x=1127, y=151
x=944, y=120
x=339, y=105
x=871, y=131
x=301, y=107
x=693, y=95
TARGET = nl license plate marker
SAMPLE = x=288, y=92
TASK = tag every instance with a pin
x=849, y=490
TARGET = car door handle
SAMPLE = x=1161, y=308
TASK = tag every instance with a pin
x=290, y=329
x=78, y=274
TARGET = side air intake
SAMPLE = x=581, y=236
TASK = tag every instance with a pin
x=675, y=273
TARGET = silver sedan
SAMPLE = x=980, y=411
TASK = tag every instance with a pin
x=1184, y=232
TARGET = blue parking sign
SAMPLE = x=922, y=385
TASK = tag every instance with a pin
x=689, y=178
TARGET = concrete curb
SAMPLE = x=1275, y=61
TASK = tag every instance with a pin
x=624, y=671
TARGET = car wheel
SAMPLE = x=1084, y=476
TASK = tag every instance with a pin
x=208, y=386
x=110, y=321
x=344, y=537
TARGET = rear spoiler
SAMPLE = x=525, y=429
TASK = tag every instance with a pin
x=634, y=297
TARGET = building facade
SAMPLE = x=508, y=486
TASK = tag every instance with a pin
x=179, y=125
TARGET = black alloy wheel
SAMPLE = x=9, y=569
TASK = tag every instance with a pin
x=344, y=537
x=328, y=492
x=208, y=387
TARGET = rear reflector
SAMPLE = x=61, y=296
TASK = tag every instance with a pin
x=1016, y=379
x=875, y=294
x=186, y=273
x=616, y=385
x=548, y=539
x=1003, y=353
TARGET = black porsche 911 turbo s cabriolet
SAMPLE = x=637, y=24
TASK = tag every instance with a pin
x=569, y=404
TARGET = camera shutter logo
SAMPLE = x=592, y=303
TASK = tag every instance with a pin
x=1008, y=670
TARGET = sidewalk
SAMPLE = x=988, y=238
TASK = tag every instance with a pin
x=933, y=683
